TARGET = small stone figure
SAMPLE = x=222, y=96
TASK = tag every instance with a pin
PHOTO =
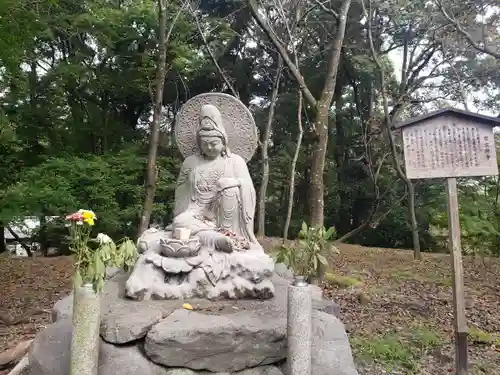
x=210, y=249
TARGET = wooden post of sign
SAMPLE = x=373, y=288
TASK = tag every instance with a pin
x=458, y=277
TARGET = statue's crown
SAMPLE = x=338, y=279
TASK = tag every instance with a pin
x=208, y=125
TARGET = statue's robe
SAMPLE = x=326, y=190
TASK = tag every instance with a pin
x=200, y=206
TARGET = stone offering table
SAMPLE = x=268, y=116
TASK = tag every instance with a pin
x=246, y=337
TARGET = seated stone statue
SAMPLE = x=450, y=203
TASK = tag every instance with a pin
x=210, y=249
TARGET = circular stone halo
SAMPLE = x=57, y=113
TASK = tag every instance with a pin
x=242, y=134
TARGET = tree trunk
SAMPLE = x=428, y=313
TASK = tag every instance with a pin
x=316, y=214
x=292, y=170
x=372, y=221
x=265, y=144
x=152, y=172
x=42, y=235
x=343, y=222
x=21, y=242
x=3, y=244
x=316, y=188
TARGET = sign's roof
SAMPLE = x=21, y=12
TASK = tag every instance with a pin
x=482, y=119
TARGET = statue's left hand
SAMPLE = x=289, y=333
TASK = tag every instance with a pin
x=226, y=183
x=224, y=244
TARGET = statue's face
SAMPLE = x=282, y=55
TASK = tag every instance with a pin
x=211, y=147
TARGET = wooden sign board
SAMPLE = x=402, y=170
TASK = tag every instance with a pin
x=451, y=143
x=449, y=146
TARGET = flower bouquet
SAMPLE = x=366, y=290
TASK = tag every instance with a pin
x=92, y=257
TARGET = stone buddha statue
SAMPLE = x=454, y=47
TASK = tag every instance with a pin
x=210, y=249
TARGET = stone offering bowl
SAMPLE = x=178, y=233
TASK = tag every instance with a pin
x=174, y=248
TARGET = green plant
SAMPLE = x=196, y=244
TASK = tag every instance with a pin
x=313, y=251
x=94, y=255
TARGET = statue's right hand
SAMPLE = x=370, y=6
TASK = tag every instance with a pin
x=226, y=183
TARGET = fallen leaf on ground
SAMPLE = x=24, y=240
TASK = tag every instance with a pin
x=187, y=306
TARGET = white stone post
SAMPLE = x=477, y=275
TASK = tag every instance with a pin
x=86, y=324
x=299, y=327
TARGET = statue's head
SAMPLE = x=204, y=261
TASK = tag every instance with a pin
x=211, y=135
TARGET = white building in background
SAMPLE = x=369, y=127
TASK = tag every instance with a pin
x=25, y=229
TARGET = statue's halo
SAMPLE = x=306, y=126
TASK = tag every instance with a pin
x=238, y=121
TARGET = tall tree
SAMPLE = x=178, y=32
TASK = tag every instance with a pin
x=154, y=130
x=320, y=104
x=266, y=136
x=484, y=39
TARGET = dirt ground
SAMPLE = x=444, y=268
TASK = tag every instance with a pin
x=398, y=312
x=29, y=288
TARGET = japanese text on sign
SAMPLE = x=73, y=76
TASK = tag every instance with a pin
x=454, y=148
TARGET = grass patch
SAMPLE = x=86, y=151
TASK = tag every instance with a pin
x=424, y=338
x=341, y=281
x=403, y=275
x=397, y=351
x=477, y=336
x=445, y=282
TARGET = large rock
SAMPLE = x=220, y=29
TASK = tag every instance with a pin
x=263, y=370
x=221, y=336
x=230, y=342
x=331, y=352
x=50, y=354
x=282, y=270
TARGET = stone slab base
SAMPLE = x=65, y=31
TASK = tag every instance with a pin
x=246, y=337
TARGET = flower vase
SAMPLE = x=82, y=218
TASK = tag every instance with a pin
x=86, y=324
x=299, y=327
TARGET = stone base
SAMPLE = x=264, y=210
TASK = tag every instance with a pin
x=246, y=337
x=240, y=274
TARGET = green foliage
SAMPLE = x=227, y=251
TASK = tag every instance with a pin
x=313, y=251
x=77, y=77
x=112, y=184
x=479, y=213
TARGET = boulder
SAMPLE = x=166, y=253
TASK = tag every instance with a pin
x=263, y=370
x=282, y=270
x=50, y=354
x=62, y=308
x=331, y=352
x=230, y=342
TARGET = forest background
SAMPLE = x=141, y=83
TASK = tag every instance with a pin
x=326, y=81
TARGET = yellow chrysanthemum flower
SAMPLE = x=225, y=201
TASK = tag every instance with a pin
x=88, y=217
